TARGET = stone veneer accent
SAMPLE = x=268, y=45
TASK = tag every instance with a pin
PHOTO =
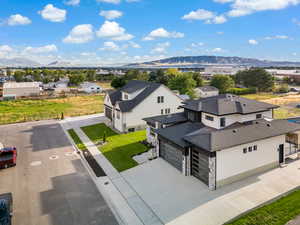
x=212, y=173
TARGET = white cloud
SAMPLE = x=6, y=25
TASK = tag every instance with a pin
x=253, y=42
x=161, y=48
x=40, y=50
x=110, y=46
x=200, y=14
x=223, y=1
x=162, y=33
x=53, y=14
x=277, y=37
x=110, y=1
x=88, y=54
x=17, y=19
x=80, y=34
x=72, y=2
x=5, y=48
x=111, y=14
x=220, y=32
x=216, y=50
x=246, y=7
x=134, y=45
x=195, y=45
x=208, y=16
x=112, y=30
x=296, y=21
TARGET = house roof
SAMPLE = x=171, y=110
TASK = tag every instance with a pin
x=227, y=104
x=21, y=85
x=214, y=140
x=176, y=133
x=130, y=87
x=167, y=119
x=208, y=88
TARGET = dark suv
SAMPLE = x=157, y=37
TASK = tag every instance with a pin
x=6, y=207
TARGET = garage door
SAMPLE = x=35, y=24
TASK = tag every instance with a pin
x=171, y=154
x=200, y=167
x=108, y=112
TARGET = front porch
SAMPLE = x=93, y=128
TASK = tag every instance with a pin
x=292, y=146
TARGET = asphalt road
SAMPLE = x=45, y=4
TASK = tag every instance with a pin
x=50, y=185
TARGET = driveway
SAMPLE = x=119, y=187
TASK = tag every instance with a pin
x=180, y=200
x=50, y=186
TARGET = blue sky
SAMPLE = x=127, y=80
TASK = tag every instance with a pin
x=104, y=32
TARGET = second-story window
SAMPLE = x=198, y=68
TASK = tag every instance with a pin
x=126, y=96
x=167, y=111
x=160, y=99
x=258, y=116
x=118, y=114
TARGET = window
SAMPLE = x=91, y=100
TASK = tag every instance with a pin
x=245, y=150
x=222, y=122
x=255, y=148
x=210, y=118
x=250, y=149
x=125, y=96
x=258, y=116
x=162, y=112
x=160, y=99
x=118, y=114
x=167, y=111
x=131, y=129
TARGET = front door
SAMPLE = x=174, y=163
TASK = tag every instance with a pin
x=281, y=153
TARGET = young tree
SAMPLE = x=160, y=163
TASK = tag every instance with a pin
x=77, y=78
x=118, y=82
x=91, y=75
x=197, y=77
x=222, y=82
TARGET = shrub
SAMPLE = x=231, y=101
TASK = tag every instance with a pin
x=241, y=91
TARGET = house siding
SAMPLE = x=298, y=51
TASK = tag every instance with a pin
x=233, y=164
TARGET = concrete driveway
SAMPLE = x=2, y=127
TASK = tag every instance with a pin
x=180, y=200
x=50, y=185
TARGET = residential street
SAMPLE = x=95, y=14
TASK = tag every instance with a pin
x=50, y=185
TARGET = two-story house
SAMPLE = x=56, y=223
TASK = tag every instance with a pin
x=127, y=106
x=222, y=139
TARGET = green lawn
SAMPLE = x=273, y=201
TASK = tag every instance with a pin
x=77, y=140
x=30, y=110
x=260, y=96
x=120, y=147
x=276, y=213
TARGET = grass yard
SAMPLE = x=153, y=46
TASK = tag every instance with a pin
x=260, y=96
x=276, y=213
x=120, y=147
x=77, y=140
x=105, y=84
x=30, y=110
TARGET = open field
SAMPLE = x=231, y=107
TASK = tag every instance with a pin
x=276, y=213
x=120, y=148
x=105, y=84
x=30, y=110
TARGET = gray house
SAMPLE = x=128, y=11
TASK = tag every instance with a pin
x=223, y=139
x=206, y=91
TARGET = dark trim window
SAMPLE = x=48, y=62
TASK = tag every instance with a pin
x=255, y=148
x=258, y=116
x=250, y=149
x=160, y=99
x=223, y=122
x=167, y=111
x=162, y=112
x=125, y=96
x=245, y=150
x=210, y=118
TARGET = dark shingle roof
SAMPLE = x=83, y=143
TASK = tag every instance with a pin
x=130, y=87
x=208, y=88
x=214, y=140
x=168, y=119
x=176, y=133
x=227, y=104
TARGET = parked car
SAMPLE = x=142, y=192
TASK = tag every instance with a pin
x=294, y=89
x=6, y=208
x=8, y=156
x=298, y=106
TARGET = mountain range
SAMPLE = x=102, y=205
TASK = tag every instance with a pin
x=201, y=61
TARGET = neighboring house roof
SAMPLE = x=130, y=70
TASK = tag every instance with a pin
x=208, y=88
x=227, y=104
x=176, y=133
x=214, y=140
x=168, y=119
x=184, y=97
x=131, y=87
x=21, y=85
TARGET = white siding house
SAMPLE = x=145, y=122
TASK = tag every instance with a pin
x=138, y=99
x=206, y=91
x=21, y=89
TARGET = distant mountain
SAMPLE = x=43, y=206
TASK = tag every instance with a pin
x=18, y=62
x=60, y=64
x=200, y=61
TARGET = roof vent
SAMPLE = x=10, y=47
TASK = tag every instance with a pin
x=269, y=125
x=234, y=131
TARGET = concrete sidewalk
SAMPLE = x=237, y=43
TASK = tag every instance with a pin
x=132, y=208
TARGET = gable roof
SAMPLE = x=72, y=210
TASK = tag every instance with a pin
x=168, y=119
x=227, y=104
x=214, y=140
x=208, y=88
x=131, y=87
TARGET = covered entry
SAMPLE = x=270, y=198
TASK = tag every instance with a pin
x=171, y=153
